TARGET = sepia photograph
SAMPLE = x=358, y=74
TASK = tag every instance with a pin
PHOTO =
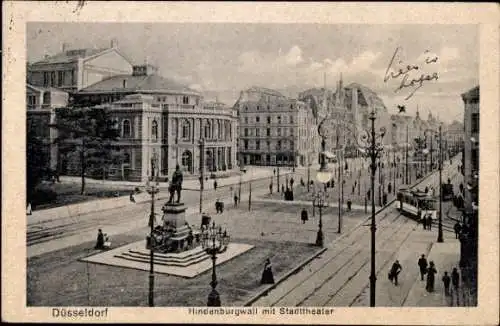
x=266, y=169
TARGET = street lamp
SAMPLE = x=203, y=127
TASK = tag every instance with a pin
x=371, y=144
x=214, y=241
x=440, y=225
x=323, y=176
x=154, y=190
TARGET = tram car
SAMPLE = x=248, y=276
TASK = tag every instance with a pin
x=417, y=204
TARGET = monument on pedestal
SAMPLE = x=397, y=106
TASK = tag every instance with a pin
x=174, y=235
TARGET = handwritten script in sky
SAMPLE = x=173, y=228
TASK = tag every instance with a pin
x=411, y=76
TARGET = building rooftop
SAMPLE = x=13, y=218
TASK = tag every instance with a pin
x=369, y=96
x=472, y=93
x=69, y=56
x=145, y=83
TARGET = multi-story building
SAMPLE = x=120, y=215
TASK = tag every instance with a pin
x=41, y=103
x=471, y=149
x=161, y=118
x=275, y=130
x=74, y=69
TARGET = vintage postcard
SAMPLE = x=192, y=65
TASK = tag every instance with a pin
x=319, y=163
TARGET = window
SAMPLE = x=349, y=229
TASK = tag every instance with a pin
x=246, y=119
x=268, y=108
x=257, y=119
x=246, y=108
x=60, y=78
x=291, y=106
x=291, y=119
x=126, y=158
x=268, y=131
x=268, y=120
x=245, y=142
x=45, y=78
x=279, y=119
x=474, y=159
x=246, y=132
x=291, y=131
x=186, y=130
x=279, y=131
x=154, y=130
x=73, y=77
x=31, y=100
x=126, y=131
x=52, y=78
x=278, y=145
x=258, y=108
x=207, y=130
x=185, y=100
x=257, y=132
x=268, y=145
x=475, y=122
x=257, y=144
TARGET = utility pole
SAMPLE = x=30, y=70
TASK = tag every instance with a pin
x=341, y=166
x=373, y=228
x=440, y=225
x=151, y=225
x=202, y=168
x=406, y=146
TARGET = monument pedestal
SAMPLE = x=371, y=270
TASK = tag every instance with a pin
x=176, y=232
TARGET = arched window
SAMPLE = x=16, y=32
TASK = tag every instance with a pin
x=186, y=129
x=187, y=161
x=208, y=129
x=154, y=130
x=126, y=131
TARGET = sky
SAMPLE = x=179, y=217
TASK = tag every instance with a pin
x=226, y=58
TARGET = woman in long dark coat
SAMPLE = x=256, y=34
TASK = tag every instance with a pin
x=430, y=277
x=267, y=274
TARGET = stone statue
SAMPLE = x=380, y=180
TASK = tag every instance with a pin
x=175, y=185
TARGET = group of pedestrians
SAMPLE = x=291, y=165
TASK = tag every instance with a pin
x=428, y=271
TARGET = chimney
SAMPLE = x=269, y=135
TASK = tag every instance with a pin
x=64, y=47
x=114, y=43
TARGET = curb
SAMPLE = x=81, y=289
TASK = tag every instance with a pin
x=308, y=260
x=283, y=278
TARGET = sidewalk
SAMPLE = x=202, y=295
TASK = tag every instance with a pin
x=445, y=256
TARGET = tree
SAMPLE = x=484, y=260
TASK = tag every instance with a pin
x=91, y=133
x=36, y=162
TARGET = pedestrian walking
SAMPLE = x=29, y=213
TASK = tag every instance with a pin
x=132, y=199
x=303, y=216
x=457, y=228
x=422, y=264
x=267, y=274
x=271, y=188
x=455, y=278
x=349, y=204
x=429, y=222
x=431, y=270
x=282, y=189
x=394, y=272
x=235, y=200
x=446, y=281
x=215, y=184
x=29, y=211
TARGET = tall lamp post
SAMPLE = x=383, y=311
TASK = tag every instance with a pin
x=214, y=241
x=371, y=143
x=154, y=190
x=440, y=225
x=323, y=176
x=202, y=170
